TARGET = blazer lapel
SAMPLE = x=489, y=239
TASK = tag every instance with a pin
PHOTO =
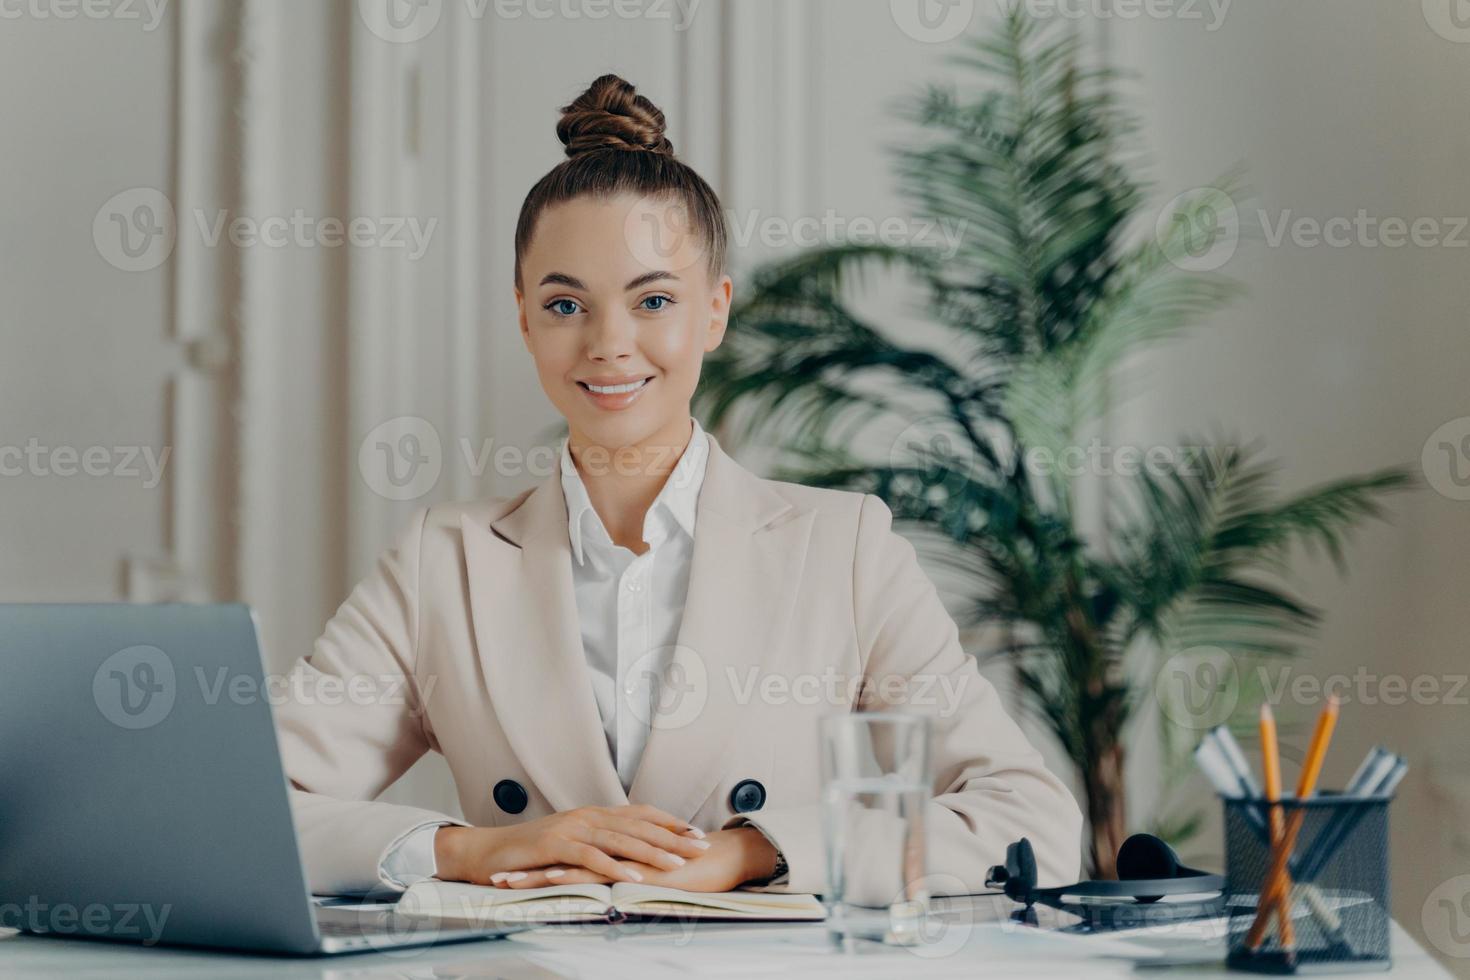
x=530, y=645
x=748, y=556
x=747, y=561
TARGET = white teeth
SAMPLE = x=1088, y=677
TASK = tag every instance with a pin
x=617, y=389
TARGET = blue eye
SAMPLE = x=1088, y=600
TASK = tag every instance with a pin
x=558, y=307
x=660, y=299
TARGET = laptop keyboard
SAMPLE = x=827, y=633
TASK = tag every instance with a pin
x=346, y=930
x=385, y=927
x=346, y=923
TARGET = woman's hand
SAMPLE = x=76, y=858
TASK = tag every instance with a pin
x=735, y=856
x=592, y=838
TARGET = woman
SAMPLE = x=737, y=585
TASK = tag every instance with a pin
x=625, y=666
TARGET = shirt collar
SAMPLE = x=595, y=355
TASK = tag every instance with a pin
x=678, y=497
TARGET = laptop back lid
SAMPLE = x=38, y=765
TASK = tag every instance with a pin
x=141, y=790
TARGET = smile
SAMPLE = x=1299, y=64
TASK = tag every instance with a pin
x=615, y=389
x=614, y=398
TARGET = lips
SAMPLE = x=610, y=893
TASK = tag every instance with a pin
x=615, y=397
x=615, y=388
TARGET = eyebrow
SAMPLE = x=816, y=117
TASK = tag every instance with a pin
x=572, y=282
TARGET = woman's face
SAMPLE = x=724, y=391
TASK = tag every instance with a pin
x=617, y=294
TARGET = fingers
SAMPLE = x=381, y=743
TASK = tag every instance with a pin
x=659, y=838
x=619, y=844
x=653, y=815
x=543, y=877
x=559, y=875
x=589, y=857
x=612, y=842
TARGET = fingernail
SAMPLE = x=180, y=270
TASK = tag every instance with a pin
x=499, y=876
x=677, y=859
x=515, y=876
x=555, y=873
x=695, y=832
x=634, y=875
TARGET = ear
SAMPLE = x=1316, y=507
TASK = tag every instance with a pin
x=521, y=317
x=719, y=312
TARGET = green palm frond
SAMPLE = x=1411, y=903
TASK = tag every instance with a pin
x=1198, y=545
x=823, y=275
x=1147, y=300
x=1028, y=169
x=1319, y=517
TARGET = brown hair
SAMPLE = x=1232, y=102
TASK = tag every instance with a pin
x=615, y=144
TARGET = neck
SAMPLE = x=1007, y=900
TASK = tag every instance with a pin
x=623, y=481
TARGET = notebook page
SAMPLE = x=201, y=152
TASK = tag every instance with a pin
x=479, y=903
x=628, y=897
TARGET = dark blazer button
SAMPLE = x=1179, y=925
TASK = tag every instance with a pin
x=747, y=795
x=510, y=796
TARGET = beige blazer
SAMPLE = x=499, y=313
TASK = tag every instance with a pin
x=464, y=640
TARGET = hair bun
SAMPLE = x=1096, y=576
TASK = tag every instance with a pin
x=611, y=115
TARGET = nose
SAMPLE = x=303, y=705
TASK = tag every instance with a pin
x=611, y=338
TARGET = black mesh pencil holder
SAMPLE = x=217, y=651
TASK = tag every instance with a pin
x=1339, y=919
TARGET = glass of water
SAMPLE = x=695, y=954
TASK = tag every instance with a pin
x=875, y=787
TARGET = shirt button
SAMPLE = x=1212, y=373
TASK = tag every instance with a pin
x=634, y=587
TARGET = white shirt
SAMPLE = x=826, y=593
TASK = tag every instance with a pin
x=630, y=607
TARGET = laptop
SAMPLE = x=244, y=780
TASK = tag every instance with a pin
x=142, y=796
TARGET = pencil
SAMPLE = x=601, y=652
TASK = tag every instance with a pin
x=1271, y=771
x=1277, y=886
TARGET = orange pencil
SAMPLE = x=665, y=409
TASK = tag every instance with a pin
x=1277, y=885
x=1271, y=768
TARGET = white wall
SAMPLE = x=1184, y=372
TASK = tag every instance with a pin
x=86, y=349
x=1342, y=359
x=228, y=358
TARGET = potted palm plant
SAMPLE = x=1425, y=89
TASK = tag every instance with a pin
x=1051, y=290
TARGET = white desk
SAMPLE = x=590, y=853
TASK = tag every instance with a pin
x=974, y=945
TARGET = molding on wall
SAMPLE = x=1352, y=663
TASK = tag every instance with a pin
x=464, y=312
x=258, y=339
x=378, y=366
x=201, y=538
x=414, y=334
x=791, y=37
x=700, y=57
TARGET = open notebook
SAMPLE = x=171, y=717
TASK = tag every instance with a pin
x=611, y=903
